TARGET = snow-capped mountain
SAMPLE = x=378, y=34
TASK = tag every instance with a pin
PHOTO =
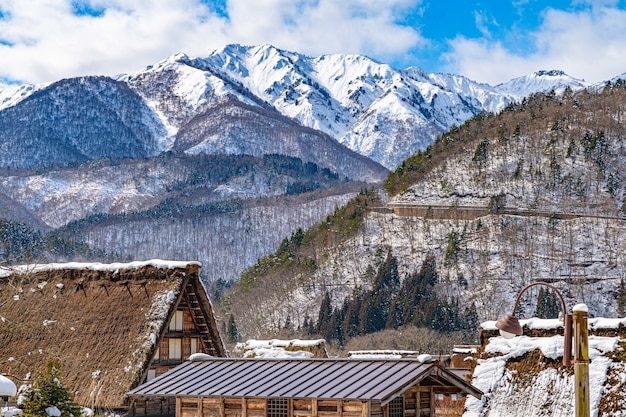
x=540, y=81
x=375, y=110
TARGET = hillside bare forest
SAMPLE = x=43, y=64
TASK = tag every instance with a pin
x=535, y=192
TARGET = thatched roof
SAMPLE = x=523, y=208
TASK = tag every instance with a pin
x=101, y=321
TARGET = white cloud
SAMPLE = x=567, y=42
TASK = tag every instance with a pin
x=585, y=44
x=43, y=40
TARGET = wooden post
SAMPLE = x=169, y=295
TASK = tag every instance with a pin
x=418, y=405
x=222, y=408
x=244, y=407
x=581, y=361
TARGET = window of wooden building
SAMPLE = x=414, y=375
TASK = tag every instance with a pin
x=396, y=407
x=277, y=407
x=175, y=348
x=176, y=324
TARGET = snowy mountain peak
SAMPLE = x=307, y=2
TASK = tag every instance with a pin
x=541, y=82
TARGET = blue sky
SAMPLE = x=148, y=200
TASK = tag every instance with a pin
x=489, y=41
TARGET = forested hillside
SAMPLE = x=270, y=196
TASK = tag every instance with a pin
x=533, y=192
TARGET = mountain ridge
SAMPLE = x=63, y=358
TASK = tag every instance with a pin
x=372, y=108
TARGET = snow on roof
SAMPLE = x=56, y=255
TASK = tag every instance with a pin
x=95, y=266
x=278, y=343
x=277, y=353
x=382, y=354
x=536, y=323
x=277, y=348
x=464, y=349
x=548, y=392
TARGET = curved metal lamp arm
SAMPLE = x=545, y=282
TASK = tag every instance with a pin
x=510, y=324
x=552, y=287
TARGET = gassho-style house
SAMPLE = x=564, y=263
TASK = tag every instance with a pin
x=111, y=326
x=232, y=387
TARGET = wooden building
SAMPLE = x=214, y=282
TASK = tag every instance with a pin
x=308, y=388
x=111, y=326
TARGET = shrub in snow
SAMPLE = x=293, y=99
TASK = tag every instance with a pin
x=48, y=397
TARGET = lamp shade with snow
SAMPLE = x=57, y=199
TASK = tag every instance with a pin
x=7, y=387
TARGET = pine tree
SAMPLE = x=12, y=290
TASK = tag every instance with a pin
x=377, y=302
x=351, y=314
x=548, y=306
x=621, y=299
x=472, y=320
x=48, y=396
x=323, y=319
x=233, y=332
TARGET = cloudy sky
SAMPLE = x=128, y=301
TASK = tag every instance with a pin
x=489, y=41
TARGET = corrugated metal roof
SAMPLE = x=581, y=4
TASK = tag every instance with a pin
x=350, y=379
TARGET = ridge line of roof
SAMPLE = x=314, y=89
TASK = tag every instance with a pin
x=95, y=266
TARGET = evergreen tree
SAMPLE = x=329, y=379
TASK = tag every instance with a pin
x=48, y=396
x=377, y=302
x=351, y=311
x=288, y=323
x=335, y=327
x=472, y=321
x=480, y=154
x=621, y=299
x=548, y=305
x=323, y=319
x=233, y=333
